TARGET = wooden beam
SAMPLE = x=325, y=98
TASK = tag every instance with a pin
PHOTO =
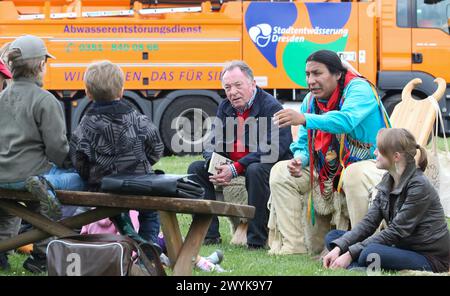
x=36, y=219
x=71, y=222
x=172, y=235
x=192, y=243
x=16, y=195
x=177, y=205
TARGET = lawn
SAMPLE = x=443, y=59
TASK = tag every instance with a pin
x=237, y=260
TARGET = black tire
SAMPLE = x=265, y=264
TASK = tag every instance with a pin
x=390, y=102
x=187, y=132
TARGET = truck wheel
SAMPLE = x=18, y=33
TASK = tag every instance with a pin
x=390, y=102
x=185, y=124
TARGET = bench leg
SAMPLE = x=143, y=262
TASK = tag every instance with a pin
x=71, y=222
x=192, y=243
x=172, y=235
x=35, y=219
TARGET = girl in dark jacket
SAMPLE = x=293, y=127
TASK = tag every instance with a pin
x=416, y=236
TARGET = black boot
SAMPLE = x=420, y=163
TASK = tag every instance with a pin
x=4, y=264
x=125, y=226
x=36, y=262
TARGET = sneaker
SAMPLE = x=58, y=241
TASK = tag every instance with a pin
x=205, y=265
x=219, y=269
x=36, y=264
x=4, y=263
x=212, y=241
x=357, y=269
x=164, y=260
x=41, y=189
x=216, y=257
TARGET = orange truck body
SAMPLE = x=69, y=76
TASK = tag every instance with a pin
x=172, y=53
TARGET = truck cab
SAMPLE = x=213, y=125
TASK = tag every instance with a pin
x=414, y=42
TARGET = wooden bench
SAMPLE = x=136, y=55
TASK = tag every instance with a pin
x=182, y=253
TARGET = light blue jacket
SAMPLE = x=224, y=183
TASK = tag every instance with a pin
x=360, y=117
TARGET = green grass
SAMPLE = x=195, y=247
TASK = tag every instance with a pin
x=176, y=164
x=441, y=143
x=237, y=260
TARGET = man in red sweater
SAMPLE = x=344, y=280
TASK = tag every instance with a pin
x=243, y=132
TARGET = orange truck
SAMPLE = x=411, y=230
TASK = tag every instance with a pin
x=172, y=52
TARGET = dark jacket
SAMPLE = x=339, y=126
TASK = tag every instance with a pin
x=259, y=139
x=415, y=219
x=113, y=138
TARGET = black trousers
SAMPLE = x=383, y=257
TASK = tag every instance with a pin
x=257, y=184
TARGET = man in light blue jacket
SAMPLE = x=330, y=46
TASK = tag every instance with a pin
x=339, y=120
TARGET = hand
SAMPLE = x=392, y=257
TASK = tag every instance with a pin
x=295, y=167
x=287, y=117
x=223, y=176
x=342, y=261
x=329, y=258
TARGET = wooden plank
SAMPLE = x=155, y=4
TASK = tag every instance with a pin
x=417, y=116
x=36, y=219
x=177, y=205
x=192, y=243
x=172, y=235
x=71, y=222
x=16, y=195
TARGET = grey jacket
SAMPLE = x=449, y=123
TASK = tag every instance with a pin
x=415, y=219
x=32, y=131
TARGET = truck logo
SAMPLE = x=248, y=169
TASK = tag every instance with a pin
x=260, y=34
x=260, y=25
x=291, y=28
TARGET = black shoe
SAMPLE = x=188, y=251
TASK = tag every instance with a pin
x=36, y=264
x=212, y=241
x=255, y=247
x=4, y=264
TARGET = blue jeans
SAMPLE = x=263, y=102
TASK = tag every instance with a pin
x=391, y=258
x=149, y=225
x=65, y=179
x=61, y=179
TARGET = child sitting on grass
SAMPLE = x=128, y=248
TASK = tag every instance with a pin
x=417, y=236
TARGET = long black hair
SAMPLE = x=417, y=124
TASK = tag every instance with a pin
x=333, y=63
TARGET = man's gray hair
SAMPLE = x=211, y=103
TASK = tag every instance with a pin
x=238, y=64
x=28, y=68
x=104, y=80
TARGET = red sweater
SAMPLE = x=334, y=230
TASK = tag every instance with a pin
x=237, y=154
